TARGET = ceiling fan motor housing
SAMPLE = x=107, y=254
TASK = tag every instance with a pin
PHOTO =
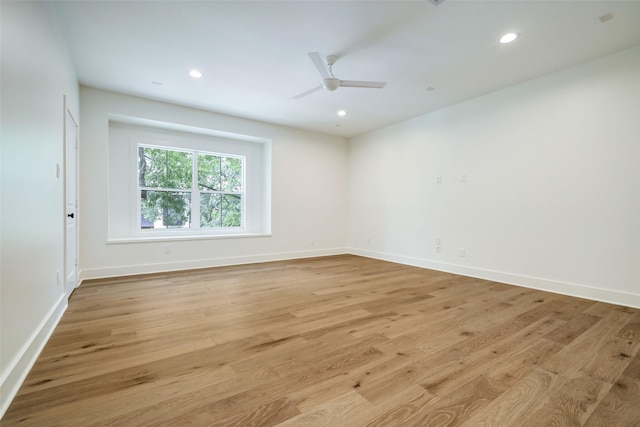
x=331, y=84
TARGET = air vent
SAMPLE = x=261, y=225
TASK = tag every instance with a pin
x=436, y=2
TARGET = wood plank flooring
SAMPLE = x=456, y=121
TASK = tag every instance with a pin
x=333, y=341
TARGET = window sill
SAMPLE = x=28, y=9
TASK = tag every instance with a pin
x=156, y=238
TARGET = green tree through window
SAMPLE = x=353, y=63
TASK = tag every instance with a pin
x=220, y=185
x=168, y=191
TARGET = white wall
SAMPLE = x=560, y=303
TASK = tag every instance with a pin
x=552, y=198
x=309, y=195
x=36, y=74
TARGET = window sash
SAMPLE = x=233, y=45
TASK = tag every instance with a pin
x=195, y=192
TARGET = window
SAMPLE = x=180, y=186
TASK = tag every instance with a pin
x=171, y=181
x=189, y=189
x=220, y=188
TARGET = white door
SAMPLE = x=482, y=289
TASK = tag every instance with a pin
x=71, y=202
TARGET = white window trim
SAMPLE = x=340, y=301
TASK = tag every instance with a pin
x=195, y=191
x=116, y=241
x=139, y=233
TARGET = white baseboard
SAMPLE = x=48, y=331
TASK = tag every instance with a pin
x=129, y=270
x=20, y=366
x=571, y=289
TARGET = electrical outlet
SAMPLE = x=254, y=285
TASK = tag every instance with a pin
x=438, y=245
x=463, y=252
x=167, y=249
x=58, y=278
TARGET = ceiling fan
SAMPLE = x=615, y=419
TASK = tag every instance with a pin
x=329, y=81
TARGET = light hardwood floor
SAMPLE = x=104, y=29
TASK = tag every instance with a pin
x=340, y=341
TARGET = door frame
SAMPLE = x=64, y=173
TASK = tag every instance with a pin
x=69, y=115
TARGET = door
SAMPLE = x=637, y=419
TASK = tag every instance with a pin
x=71, y=202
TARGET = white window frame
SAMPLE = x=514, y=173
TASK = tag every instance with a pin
x=194, y=191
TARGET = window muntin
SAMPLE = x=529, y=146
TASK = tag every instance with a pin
x=189, y=189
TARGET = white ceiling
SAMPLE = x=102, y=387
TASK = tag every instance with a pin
x=253, y=54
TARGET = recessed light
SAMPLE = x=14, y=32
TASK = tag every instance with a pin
x=342, y=113
x=195, y=74
x=508, y=38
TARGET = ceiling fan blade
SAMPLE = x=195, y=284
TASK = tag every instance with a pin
x=309, y=92
x=321, y=66
x=358, y=83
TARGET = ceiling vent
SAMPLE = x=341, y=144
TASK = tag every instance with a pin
x=605, y=18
